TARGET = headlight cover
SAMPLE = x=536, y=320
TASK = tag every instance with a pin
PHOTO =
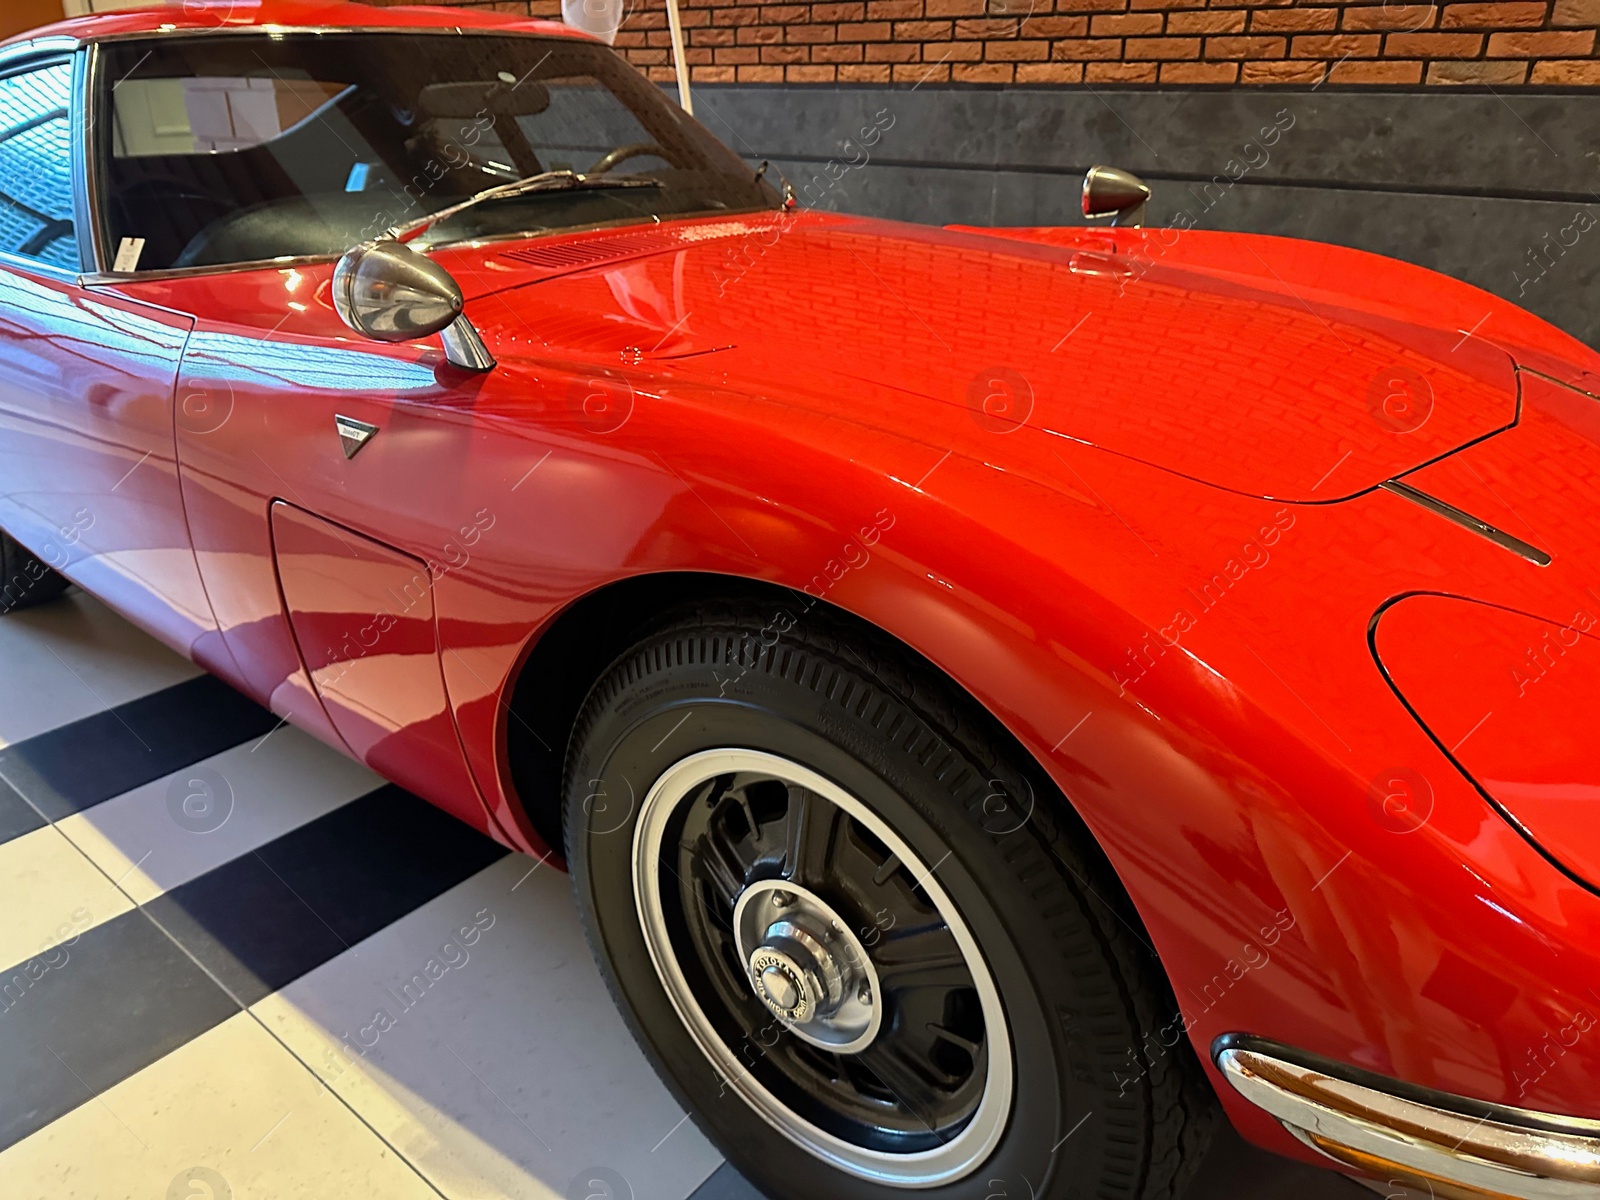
x=1515, y=701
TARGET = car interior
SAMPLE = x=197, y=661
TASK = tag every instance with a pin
x=219, y=155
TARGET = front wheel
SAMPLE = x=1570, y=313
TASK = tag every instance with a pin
x=24, y=579
x=859, y=939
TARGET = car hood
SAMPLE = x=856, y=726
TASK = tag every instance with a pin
x=1501, y=667
x=1261, y=365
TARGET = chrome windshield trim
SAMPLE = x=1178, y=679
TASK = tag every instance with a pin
x=1385, y=1128
x=108, y=278
x=91, y=237
x=105, y=278
x=1466, y=520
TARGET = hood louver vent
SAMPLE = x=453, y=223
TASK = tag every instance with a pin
x=566, y=255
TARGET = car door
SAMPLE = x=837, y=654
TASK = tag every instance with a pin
x=88, y=470
x=319, y=566
x=322, y=564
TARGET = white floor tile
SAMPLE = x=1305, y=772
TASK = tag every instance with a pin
x=72, y=658
x=508, y=1074
x=49, y=893
x=233, y=1106
x=149, y=841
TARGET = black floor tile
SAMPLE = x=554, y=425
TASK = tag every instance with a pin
x=77, y=766
x=83, y=1016
x=270, y=916
x=17, y=816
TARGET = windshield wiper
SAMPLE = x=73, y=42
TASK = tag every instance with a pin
x=545, y=181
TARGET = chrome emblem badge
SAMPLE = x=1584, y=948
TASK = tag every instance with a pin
x=779, y=987
x=353, y=434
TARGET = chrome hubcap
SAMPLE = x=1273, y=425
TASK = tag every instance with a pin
x=807, y=966
x=779, y=986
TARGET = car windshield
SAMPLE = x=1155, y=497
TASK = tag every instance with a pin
x=241, y=147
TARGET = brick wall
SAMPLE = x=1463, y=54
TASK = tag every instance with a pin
x=1505, y=43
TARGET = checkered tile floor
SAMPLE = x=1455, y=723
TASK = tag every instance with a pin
x=241, y=962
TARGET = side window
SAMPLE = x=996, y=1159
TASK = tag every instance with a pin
x=36, y=166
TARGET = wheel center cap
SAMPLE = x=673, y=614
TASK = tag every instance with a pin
x=781, y=985
x=806, y=966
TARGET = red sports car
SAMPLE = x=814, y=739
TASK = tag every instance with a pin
x=999, y=692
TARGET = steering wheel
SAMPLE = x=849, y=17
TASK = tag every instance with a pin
x=632, y=150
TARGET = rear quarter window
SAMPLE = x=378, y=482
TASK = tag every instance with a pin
x=36, y=213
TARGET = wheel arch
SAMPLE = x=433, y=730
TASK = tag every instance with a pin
x=575, y=648
x=563, y=661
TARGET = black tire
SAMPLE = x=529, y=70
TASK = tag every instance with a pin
x=1099, y=1107
x=24, y=579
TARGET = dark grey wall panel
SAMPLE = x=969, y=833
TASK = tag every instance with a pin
x=1484, y=241
x=1507, y=144
x=1475, y=185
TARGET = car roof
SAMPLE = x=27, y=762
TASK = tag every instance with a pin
x=201, y=16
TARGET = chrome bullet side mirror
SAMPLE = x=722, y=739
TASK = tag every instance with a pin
x=1110, y=190
x=386, y=291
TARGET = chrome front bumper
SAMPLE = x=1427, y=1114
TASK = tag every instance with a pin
x=1440, y=1145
